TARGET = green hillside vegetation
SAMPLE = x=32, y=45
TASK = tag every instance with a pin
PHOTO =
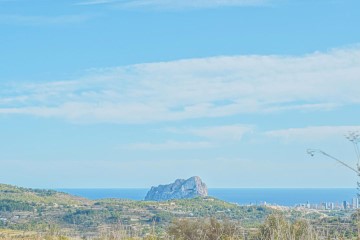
x=39, y=196
x=38, y=210
x=47, y=214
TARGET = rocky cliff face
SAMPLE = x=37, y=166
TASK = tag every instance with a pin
x=180, y=189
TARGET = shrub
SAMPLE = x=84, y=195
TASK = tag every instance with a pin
x=211, y=229
x=277, y=227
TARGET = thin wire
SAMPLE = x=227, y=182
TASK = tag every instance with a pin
x=357, y=152
x=346, y=165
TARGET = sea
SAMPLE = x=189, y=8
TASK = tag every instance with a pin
x=242, y=196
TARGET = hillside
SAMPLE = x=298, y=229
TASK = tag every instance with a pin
x=38, y=196
x=35, y=212
x=42, y=210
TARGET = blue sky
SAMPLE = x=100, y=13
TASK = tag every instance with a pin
x=133, y=93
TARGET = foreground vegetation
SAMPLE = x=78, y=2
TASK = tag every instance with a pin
x=43, y=214
x=275, y=227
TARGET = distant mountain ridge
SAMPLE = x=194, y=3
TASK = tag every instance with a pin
x=180, y=189
x=39, y=196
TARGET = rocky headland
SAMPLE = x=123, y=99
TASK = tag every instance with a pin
x=180, y=189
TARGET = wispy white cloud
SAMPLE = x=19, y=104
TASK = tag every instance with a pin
x=212, y=136
x=168, y=145
x=175, y=4
x=31, y=20
x=95, y=2
x=8, y=1
x=312, y=132
x=217, y=133
x=181, y=4
x=195, y=88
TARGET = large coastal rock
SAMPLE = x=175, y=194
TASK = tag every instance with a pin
x=180, y=189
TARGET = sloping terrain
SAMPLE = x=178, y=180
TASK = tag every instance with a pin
x=29, y=213
x=45, y=210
